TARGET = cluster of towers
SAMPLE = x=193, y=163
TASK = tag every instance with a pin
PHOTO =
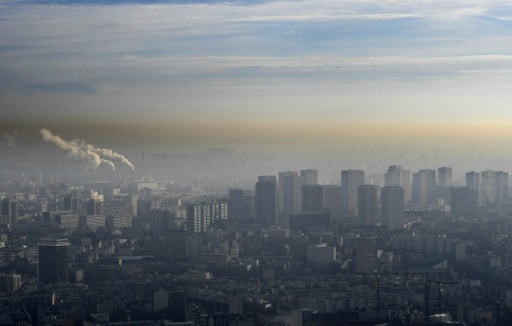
x=359, y=203
x=292, y=193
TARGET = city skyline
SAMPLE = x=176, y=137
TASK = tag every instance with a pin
x=213, y=71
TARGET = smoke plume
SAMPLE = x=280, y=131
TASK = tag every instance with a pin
x=76, y=149
x=110, y=154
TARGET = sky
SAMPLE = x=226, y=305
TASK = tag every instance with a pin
x=346, y=69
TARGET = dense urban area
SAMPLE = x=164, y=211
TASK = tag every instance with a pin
x=403, y=248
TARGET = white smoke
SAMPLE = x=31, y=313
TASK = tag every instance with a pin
x=110, y=154
x=76, y=149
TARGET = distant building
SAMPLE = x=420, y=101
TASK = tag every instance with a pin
x=350, y=181
x=240, y=205
x=9, y=283
x=309, y=177
x=398, y=176
x=366, y=255
x=312, y=198
x=321, y=255
x=52, y=262
x=289, y=192
x=444, y=176
x=161, y=220
x=332, y=201
x=94, y=206
x=463, y=200
x=265, y=201
x=144, y=207
x=10, y=210
x=392, y=203
x=367, y=203
x=201, y=215
x=424, y=186
x=177, y=244
x=119, y=212
x=473, y=182
x=494, y=188
x=71, y=203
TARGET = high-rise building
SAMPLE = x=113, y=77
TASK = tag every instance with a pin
x=366, y=254
x=265, y=201
x=119, y=212
x=309, y=177
x=10, y=210
x=9, y=283
x=350, y=181
x=71, y=203
x=332, y=201
x=444, y=176
x=312, y=198
x=397, y=176
x=424, y=186
x=52, y=262
x=392, y=202
x=201, y=215
x=502, y=191
x=144, y=207
x=367, y=205
x=289, y=192
x=241, y=205
x=493, y=186
x=177, y=245
x=463, y=200
x=94, y=206
x=160, y=221
x=473, y=182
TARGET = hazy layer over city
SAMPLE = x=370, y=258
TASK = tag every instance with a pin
x=326, y=84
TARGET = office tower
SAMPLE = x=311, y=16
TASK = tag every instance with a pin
x=350, y=181
x=463, y=200
x=91, y=222
x=488, y=188
x=240, y=205
x=289, y=192
x=119, y=212
x=321, y=255
x=332, y=201
x=144, y=207
x=424, y=186
x=265, y=201
x=9, y=283
x=177, y=245
x=160, y=221
x=309, y=177
x=312, y=198
x=397, y=176
x=444, y=176
x=201, y=215
x=10, y=210
x=52, y=262
x=473, y=182
x=392, y=202
x=502, y=193
x=94, y=207
x=71, y=203
x=366, y=254
x=236, y=204
x=367, y=205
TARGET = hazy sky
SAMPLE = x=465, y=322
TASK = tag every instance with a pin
x=319, y=68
